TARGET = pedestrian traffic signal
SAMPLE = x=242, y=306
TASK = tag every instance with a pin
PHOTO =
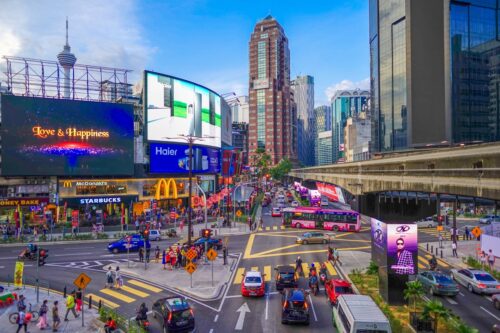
x=41, y=257
x=207, y=233
x=145, y=234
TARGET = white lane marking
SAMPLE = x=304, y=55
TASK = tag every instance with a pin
x=461, y=294
x=71, y=254
x=28, y=265
x=233, y=296
x=267, y=305
x=78, y=248
x=243, y=309
x=98, y=262
x=312, y=307
x=6, y=258
x=216, y=318
x=491, y=314
x=4, y=266
x=211, y=330
x=451, y=300
x=85, y=263
x=488, y=298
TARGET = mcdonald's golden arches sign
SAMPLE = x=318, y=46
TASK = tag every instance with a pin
x=163, y=188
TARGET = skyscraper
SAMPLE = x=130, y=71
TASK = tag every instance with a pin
x=323, y=116
x=271, y=121
x=345, y=104
x=303, y=90
x=435, y=72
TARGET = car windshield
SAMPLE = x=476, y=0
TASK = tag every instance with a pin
x=343, y=290
x=484, y=277
x=286, y=275
x=253, y=279
x=443, y=278
x=181, y=315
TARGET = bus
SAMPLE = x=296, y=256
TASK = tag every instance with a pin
x=318, y=218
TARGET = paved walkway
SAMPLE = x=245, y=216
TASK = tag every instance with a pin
x=71, y=326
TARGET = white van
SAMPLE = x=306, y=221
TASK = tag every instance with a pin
x=359, y=313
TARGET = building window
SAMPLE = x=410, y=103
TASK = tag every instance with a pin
x=261, y=120
x=261, y=60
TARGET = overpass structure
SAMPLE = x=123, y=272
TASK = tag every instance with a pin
x=472, y=171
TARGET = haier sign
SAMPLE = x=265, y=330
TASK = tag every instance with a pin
x=174, y=158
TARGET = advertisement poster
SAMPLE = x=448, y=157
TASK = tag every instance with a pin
x=227, y=124
x=55, y=137
x=379, y=241
x=175, y=107
x=174, y=158
x=231, y=162
x=402, y=248
x=18, y=274
x=329, y=191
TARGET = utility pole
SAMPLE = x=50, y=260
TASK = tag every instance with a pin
x=190, y=142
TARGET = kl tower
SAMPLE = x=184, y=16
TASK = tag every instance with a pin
x=67, y=60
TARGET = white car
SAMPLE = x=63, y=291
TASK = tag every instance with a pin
x=489, y=218
x=427, y=223
x=154, y=235
x=295, y=204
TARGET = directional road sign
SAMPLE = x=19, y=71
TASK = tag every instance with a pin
x=82, y=281
x=190, y=267
x=211, y=254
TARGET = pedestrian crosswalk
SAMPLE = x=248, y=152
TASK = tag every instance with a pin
x=132, y=291
x=446, y=234
x=87, y=264
x=268, y=269
x=272, y=228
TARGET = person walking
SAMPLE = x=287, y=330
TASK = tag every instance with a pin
x=164, y=259
x=483, y=259
x=70, y=306
x=42, y=322
x=173, y=259
x=22, y=321
x=148, y=252
x=491, y=260
x=440, y=238
x=141, y=254
x=109, y=278
x=454, y=249
x=157, y=254
x=118, y=278
x=336, y=255
x=78, y=299
x=56, y=320
x=467, y=233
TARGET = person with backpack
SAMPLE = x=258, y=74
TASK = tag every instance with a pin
x=22, y=321
x=70, y=306
x=42, y=322
x=118, y=278
x=109, y=278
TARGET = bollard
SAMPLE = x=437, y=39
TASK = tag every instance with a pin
x=427, y=247
x=90, y=302
x=64, y=292
x=436, y=250
x=432, y=248
x=100, y=304
x=441, y=254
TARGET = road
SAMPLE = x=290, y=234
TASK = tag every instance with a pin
x=269, y=247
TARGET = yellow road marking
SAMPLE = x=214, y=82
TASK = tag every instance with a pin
x=305, y=269
x=421, y=266
x=254, y=256
x=275, y=228
x=273, y=234
x=260, y=229
x=354, y=240
x=268, y=228
x=267, y=272
x=443, y=263
x=421, y=259
x=117, y=295
x=255, y=269
x=248, y=248
x=144, y=286
x=134, y=291
x=96, y=299
x=330, y=268
x=239, y=275
x=282, y=227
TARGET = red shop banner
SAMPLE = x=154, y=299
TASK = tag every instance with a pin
x=329, y=191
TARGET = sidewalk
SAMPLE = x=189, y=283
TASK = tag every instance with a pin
x=72, y=326
x=239, y=228
x=353, y=260
x=464, y=250
x=180, y=280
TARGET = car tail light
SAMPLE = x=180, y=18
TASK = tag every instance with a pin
x=285, y=304
x=498, y=287
x=481, y=285
x=169, y=317
x=191, y=311
x=305, y=305
x=439, y=286
x=279, y=276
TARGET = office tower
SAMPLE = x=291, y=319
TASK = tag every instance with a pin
x=357, y=137
x=240, y=110
x=303, y=90
x=271, y=122
x=434, y=73
x=325, y=150
x=323, y=116
x=345, y=104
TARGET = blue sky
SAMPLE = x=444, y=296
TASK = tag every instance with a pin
x=202, y=41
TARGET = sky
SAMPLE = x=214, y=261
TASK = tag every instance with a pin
x=205, y=41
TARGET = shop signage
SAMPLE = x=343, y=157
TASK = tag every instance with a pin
x=69, y=183
x=23, y=201
x=166, y=185
x=105, y=200
x=93, y=200
x=174, y=159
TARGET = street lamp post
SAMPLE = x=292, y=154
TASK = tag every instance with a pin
x=205, y=199
x=234, y=197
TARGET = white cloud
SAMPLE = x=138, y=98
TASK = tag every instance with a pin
x=102, y=33
x=347, y=85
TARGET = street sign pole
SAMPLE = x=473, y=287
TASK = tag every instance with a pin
x=212, y=273
x=191, y=280
x=83, y=307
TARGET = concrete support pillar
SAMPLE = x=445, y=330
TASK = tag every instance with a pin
x=438, y=208
x=455, y=204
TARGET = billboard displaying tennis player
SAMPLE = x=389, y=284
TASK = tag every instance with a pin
x=402, y=248
x=176, y=107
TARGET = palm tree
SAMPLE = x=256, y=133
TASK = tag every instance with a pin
x=414, y=290
x=461, y=327
x=435, y=310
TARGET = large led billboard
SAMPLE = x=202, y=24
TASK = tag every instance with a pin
x=167, y=158
x=56, y=137
x=402, y=248
x=175, y=107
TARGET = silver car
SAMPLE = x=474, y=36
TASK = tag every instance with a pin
x=154, y=235
x=489, y=218
x=476, y=280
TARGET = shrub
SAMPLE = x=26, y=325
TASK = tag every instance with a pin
x=102, y=236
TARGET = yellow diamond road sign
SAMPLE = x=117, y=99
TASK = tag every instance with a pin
x=477, y=232
x=82, y=281
x=190, y=268
x=191, y=254
x=239, y=213
x=211, y=254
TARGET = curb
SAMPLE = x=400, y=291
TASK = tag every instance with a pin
x=461, y=265
x=346, y=277
x=60, y=242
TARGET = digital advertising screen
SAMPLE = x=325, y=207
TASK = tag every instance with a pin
x=170, y=158
x=379, y=241
x=56, y=137
x=175, y=107
x=402, y=248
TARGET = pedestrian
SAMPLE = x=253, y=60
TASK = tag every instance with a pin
x=118, y=278
x=70, y=306
x=137, y=225
x=484, y=259
x=56, y=320
x=467, y=233
x=164, y=259
x=110, y=325
x=148, y=252
x=440, y=238
x=336, y=255
x=491, y=260
x=78, y=300
x=179, y=258
x=42, y=322
x=20, y=304
x=157, y=254
x=22, y=321
x=454, y=249
x=141, y=254
x=173, y=259
x=109, y=278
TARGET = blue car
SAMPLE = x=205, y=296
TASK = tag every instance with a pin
x=212, y=242
x=120, y=245
x=438, y=283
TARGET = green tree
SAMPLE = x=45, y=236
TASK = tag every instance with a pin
x=262, y=161
x=435, y=310
x=282, y=169
x=461, y=327
x=414, y=290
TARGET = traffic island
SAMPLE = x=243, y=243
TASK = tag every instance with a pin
x=199, y=284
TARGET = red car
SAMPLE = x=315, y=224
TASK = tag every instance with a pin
x=253, y=284
x=336, y=287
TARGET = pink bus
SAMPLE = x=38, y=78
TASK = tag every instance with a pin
x=318, y=218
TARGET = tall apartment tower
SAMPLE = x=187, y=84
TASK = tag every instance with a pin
x=303, y=90
x=271, y=116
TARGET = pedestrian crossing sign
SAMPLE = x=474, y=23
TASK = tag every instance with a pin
x=477, y=232
x=440, y=228
x=191, y=254
x=239, y=213
x=211, y=254
x=190, y=267
x=82, y=281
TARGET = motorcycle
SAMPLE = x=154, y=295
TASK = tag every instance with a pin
x=314, y=285
x=433, y=266
x=144, y=324
x=322, y=278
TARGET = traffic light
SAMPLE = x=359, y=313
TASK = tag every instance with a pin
x=145, y=234
x=41, y=257
x=206, y=233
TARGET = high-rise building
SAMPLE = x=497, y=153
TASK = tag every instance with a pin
x=435, y=72
x=240, y=139
x=323, y=117
x=345, y=104
x=357, y=137
x=240, y=110
x=271, y=122
x=303, y=90
x=325, y=148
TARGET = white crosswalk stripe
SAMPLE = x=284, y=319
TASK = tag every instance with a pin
x=87, y=264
